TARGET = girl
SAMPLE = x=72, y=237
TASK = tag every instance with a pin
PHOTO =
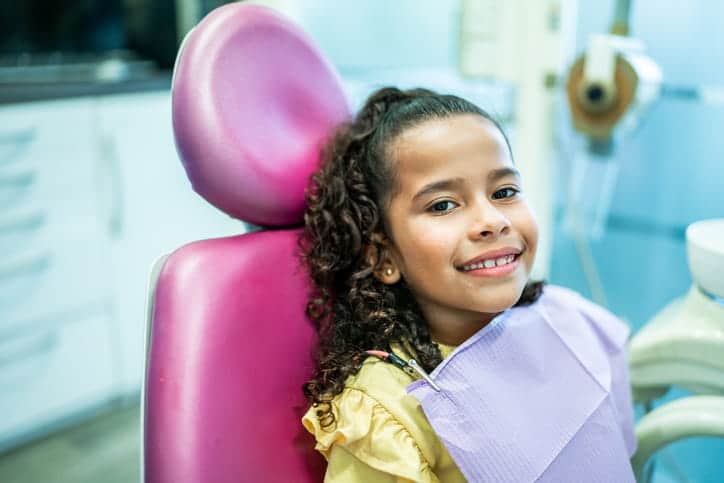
x=417, y=237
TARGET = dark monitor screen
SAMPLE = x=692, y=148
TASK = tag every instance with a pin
x=43, y=28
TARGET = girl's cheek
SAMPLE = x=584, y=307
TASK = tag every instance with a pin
x=531, y=219
x=433, y=232
x=526, y=224
x=526, y=210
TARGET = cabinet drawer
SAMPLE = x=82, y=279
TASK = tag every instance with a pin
x=17, y=133
x=54, y=371
x=56, y=144
x=16, y=185
x=51, y=280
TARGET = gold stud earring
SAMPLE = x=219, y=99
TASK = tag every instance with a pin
x=388, y=272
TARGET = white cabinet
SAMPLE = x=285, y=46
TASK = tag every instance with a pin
x=91, y=193
x=55, y=295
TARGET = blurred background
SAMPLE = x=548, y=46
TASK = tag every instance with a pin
x=92, y=192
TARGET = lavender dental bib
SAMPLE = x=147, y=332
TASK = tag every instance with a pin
x=540, y=394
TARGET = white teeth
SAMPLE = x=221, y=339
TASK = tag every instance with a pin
x=490, y=263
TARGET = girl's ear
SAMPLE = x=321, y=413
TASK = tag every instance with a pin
x=378, y=257
x=388, y=274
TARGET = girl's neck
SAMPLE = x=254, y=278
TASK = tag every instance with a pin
x=456, y=331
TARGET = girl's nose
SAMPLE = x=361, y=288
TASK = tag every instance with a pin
x=490, y=223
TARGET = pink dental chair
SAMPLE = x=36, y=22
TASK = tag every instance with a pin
x=228, y=344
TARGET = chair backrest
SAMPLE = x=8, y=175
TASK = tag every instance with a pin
x=228, y=343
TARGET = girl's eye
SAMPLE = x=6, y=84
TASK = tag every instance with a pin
x=505, y=193
x=442, y=206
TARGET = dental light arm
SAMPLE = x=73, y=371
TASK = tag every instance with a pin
x=621, y=15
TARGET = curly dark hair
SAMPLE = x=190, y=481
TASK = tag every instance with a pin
x=344, y=225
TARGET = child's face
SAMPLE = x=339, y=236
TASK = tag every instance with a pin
x=458, y=203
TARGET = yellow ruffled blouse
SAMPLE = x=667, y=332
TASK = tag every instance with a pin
x=381, y=433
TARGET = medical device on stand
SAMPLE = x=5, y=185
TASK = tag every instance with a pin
x=609, y=89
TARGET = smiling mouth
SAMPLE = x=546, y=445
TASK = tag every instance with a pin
x=490, y=263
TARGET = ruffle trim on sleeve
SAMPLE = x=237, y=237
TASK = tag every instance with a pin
x=367, y=430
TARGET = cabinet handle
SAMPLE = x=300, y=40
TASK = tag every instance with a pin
x=14, y=187
x=17, y=233
x=112, y=166
x=31, y=265
x=29, y=222
x=16, y=350
x=18, y=279
x=12, y=144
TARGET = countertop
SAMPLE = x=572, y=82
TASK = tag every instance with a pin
x=16, y=92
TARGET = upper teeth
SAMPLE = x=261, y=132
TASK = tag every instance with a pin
x=489, y=263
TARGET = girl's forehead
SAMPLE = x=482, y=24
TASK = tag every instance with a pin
x=459, y=145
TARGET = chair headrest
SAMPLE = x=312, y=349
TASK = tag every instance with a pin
x=253, y=102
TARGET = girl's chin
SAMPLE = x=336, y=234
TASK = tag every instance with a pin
x=500, y=300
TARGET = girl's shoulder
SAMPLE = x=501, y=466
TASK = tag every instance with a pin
x=378, y=389
x=375, y=411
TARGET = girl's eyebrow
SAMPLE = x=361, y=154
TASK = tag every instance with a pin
x=453, y=183
x=442, y=185
x=497, y=174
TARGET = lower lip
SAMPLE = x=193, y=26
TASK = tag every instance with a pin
x=495, y=271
